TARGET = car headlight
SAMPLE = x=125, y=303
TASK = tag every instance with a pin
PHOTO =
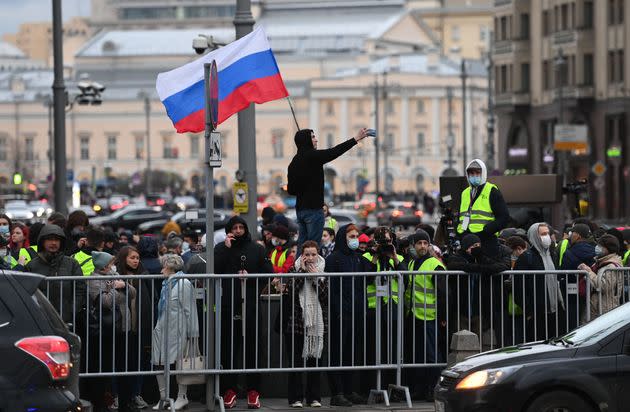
x=486, y=377
x=30, y=215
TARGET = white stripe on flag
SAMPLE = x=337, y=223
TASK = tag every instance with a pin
x=178, y=79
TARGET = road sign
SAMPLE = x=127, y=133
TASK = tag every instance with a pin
x=215, y=150
x=599, y=169
x=240, y=190
x=599, y=183
x=570, y=137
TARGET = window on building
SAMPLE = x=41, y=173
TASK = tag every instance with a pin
x=588, y=13
x=573, y=20
x=330, y=140
x=277, y=141
x=420, y=183
x=525, y=77
x=420, y=140
x=389, y=142
x=148, y=13
x=504, y=79
x=84, y=147
x=524, y=26
x=483, y=33
x=139, y=147
x=564, y=13
x=389, y=106
x=546, y=23
x=111, y=147
x=360, y=110
x=612, y=11
x=504, y=28
x=589, y=72
x=620, y=66
x=330, y=109
x=29, y=152
x=167, y=148
x=455, y=33
x=194, y=147
x=621, y=12
x=545, y=75
x=615, y=66
x=419, y=106
x=3, y=148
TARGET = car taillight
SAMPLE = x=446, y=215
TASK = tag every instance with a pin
x=396, y=213
x=160, y=202
x=52, y=351
x=418, y=213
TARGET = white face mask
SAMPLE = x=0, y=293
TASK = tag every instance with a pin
x=185, y=247
x=546, y=241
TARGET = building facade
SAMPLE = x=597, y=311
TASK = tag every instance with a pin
x=561, y=61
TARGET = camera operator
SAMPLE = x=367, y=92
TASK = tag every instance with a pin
x=382, y=258
x=482, y=210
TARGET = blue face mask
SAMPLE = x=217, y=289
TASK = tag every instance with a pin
x=474, y=180
x=4, y=230
x=353, y=244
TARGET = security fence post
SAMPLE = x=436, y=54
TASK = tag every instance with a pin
x=399, y=344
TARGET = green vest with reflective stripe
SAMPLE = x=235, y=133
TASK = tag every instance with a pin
x=28, y=253
x=393, y=283
x=424, y=299
x=564, y=245
x=281, y=259
x=331, y=223
x=85, y=261
x=626, y=257
x=10, y=261
x=480, y=212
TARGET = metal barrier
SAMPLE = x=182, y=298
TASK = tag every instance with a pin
x=384, y=324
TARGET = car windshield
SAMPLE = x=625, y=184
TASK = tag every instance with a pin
x=599, y=328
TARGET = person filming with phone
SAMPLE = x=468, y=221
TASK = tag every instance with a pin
x=306, y=180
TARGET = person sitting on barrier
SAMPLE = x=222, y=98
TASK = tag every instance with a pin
x=479, y=297
x=606, y=285
x=177, y=328
x=346, y=315
x=383, y=258
x=305, y=311
x=239, y=254
x=425, y=300
x=536, y=297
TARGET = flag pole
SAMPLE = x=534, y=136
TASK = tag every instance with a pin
x=293, y=112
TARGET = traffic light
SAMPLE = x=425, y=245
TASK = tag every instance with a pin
x=17, y=179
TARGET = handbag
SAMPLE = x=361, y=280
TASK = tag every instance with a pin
x=192, y=362
x=101, y=319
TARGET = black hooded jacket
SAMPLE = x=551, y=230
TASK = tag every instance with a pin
x=244, y=254
x=340, y=289
x=60, y=294
x=306, y=170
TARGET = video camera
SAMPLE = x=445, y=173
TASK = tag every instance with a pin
x=383, y=246
x=448, y=222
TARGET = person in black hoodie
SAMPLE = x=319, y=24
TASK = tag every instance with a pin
x=346, y=257
x=239, y=254
x=306, y=181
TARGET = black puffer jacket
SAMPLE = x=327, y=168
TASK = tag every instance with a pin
x=306, y=170
x=342, y=289
x=60, y=293
x=244, y=254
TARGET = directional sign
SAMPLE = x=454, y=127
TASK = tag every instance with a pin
x=599, y=169
x=214, y=147
x=240, y=190
x=570, y=137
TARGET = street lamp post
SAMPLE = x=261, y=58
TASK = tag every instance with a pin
x=244, y=24
x=49, y=104
x=147, y=116
x=376, y=138
x=464, y=76
x=59, y=98
x=490, y=119
x=560, y=62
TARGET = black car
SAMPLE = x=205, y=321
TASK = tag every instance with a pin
x=402, y=215
x=130, y=217
x=197, y=223
x=586, y=370
x=40, y=356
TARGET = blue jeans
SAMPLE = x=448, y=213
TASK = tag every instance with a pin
x=311, y=223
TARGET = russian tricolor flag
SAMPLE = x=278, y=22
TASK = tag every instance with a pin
x=247, y=72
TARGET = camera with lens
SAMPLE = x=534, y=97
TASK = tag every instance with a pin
x=448, y=222
x=384, y=246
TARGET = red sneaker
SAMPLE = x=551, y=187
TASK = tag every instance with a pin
x=253, y=400
x=229, y=399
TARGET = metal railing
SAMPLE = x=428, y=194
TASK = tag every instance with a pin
x=262, y=322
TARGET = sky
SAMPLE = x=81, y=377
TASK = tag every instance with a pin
x=15, y=12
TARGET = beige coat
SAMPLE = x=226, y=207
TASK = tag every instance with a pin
x=606, y=285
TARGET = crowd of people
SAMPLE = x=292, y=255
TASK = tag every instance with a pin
x=318, y=310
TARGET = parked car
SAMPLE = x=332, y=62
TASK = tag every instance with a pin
x=342, y=216
x=199, y=223
x=586, y=370
x=18, y=210
x=130, y=217
x=185, y=202
x=157, y=199
x=39, y=354
x=405, y=215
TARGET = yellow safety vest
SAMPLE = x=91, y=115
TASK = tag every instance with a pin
x=564, y=245
x=424, y=300
x=26, y=255
x=513, y=308
x=626, y=257
x=393, y=283
x=281, y=259
x=480, y=212
x=10, y=260
x=85, y=261
x=331, y=223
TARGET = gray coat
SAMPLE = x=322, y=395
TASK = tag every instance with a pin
x=109, y=295
x=183, y=324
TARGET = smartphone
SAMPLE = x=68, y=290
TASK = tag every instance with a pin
x=371, y=132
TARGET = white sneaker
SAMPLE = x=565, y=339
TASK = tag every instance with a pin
x=114, y=405
x=157, y=406
x=180, y=403
x=316, y=404
x=138, y=402
x=297, y=404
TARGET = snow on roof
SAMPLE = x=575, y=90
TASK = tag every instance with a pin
x=10, y=51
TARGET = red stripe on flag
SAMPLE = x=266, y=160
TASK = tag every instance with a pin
x=193, y=123
x=264, y=89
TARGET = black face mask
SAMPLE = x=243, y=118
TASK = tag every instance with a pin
x=238, y=241
x=475, y=252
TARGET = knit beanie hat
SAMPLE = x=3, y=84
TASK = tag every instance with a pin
x=581, y=229
x=101, y=259
x=418, y=236
x=281, y=232
x=469, y=240
x=610, y=243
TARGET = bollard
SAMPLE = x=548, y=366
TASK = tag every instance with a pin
x=463, y=345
